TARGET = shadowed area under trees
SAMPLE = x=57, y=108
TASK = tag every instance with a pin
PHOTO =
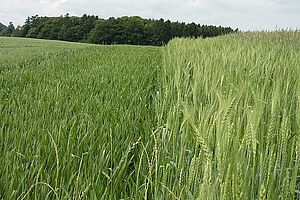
x=123, y=30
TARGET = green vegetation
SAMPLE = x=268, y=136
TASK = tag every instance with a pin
x=76, y=122
x=123, y=30
x=21, y=53
x=7, y=31
x=197, y=119
x=238, y=97
x=2, y=27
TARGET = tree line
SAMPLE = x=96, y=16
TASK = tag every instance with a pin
x=2, y=27
x=123, y=30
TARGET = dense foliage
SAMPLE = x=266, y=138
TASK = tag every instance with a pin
x=2, y=27
x=124, y=30
x=7, y=30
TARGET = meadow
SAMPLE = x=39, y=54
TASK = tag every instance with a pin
x=213, y=118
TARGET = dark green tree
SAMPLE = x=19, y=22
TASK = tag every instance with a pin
x=17, y=32
x=9, y=30
x=124, y=30
x=2, y=27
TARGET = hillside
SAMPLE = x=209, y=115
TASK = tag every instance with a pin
x=2, y=27
x=210, y=118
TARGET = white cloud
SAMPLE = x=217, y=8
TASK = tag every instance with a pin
x=244, y=14
x=18, y=10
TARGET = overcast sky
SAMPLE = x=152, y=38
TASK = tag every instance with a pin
x=242, y=14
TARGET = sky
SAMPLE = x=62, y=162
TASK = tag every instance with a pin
x=242, y=14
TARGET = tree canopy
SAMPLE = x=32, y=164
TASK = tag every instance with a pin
x=2, y=27
x=123, y=30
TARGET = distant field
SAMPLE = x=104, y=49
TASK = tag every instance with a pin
x=211, y=118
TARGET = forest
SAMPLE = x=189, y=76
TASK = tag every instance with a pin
x=132, y=30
